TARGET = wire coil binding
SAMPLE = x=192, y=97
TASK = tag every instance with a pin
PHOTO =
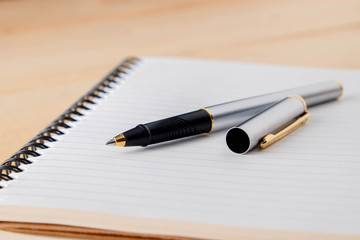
x=39, y=141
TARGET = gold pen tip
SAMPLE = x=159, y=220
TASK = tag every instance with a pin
x=119, y=140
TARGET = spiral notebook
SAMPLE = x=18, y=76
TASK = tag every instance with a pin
x=66, y=182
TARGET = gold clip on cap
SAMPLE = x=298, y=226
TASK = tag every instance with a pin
x=272, y=138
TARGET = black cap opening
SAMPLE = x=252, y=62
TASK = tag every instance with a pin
x=237, y=140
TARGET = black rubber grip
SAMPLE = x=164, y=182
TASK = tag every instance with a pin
x=180, y=126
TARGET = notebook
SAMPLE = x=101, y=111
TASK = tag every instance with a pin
x=66, y=182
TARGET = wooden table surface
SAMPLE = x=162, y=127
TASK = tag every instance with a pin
x=52, y=52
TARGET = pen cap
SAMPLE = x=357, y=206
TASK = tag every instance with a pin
x=244, y=137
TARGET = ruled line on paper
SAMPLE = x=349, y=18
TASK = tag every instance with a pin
x=204, y=160
x=277, y=189
x=161, y=181
x=203, y=178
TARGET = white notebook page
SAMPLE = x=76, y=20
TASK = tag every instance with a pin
x=309, y=181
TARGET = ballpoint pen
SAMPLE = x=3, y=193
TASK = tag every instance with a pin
x=221, y=116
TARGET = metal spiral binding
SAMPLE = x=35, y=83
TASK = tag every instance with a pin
x=39, y=141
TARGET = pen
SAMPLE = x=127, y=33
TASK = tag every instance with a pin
x=220, y=116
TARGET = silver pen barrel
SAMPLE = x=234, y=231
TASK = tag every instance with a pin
x=232, y=113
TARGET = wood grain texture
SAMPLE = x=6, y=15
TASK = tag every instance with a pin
x=52, y=52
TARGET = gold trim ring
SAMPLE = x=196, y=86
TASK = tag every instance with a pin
x=301, y=99
x=341, y=87
x=211, y=117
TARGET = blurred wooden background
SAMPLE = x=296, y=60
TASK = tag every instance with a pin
x=52, y=52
